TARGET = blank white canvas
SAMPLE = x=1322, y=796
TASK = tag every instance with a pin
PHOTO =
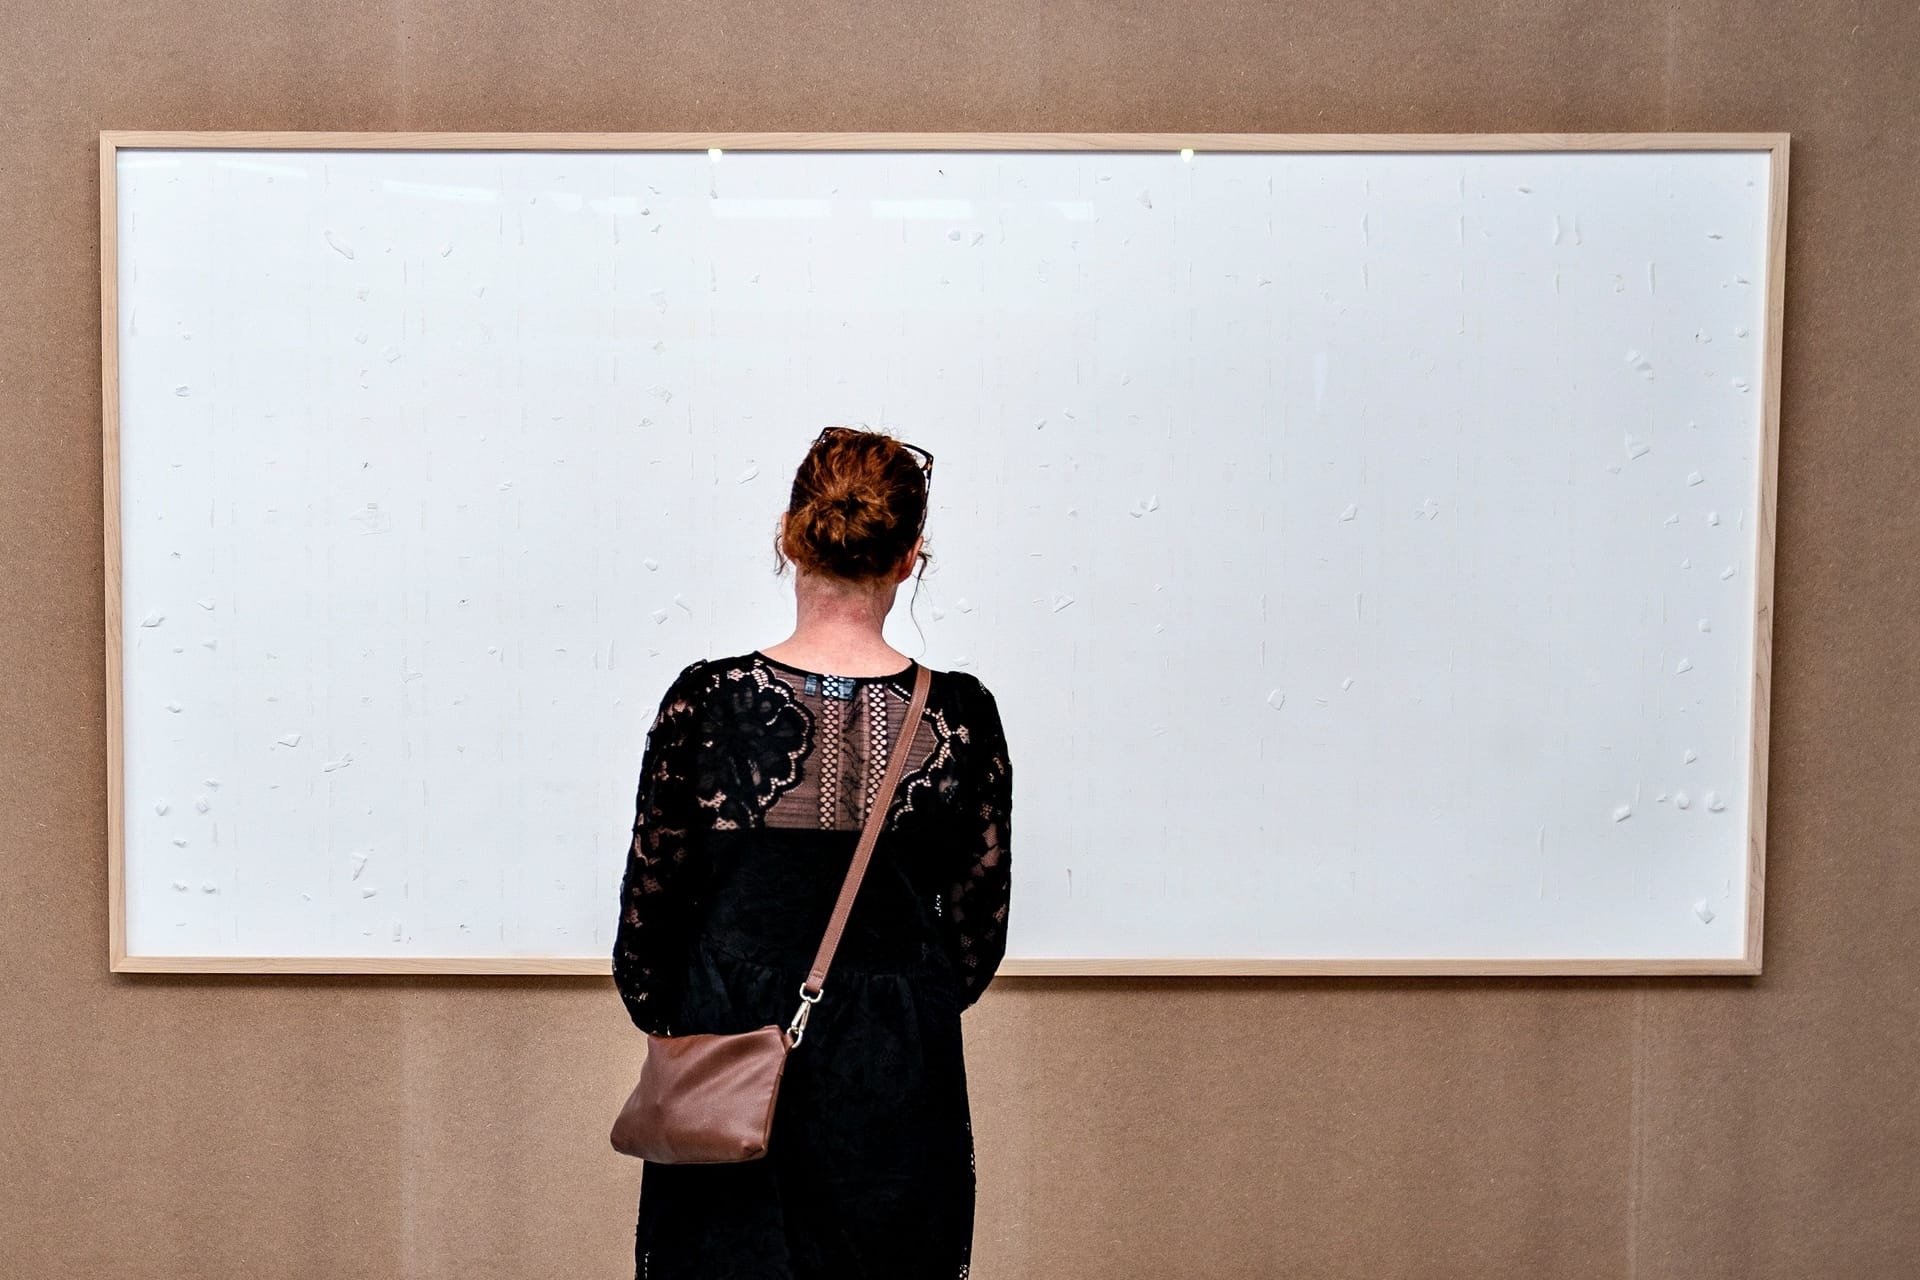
x=1361, y=546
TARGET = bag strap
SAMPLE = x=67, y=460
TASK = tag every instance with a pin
x=869, y=836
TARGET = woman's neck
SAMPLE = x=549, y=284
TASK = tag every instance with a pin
x=837, y=627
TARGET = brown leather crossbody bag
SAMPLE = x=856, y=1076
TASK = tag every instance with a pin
x=708, y=1098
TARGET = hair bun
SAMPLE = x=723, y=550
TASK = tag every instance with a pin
x=858, y=500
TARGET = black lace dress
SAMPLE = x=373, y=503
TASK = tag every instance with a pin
x=756, y=780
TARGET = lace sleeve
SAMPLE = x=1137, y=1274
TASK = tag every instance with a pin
x=980, y=898
x=656, y=909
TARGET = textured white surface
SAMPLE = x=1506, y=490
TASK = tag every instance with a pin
x=1360, y=545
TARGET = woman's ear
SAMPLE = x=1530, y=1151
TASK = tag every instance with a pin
x=913, y=558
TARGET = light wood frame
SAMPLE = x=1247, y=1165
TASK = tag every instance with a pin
x=112, y=142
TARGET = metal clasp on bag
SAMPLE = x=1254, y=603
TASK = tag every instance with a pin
x=798, y=1026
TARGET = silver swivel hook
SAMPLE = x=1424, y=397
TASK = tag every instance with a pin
x=798, y=1026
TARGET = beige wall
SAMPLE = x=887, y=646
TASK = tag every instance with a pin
x=256, y=1127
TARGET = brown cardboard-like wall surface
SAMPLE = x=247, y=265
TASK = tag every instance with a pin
x=200, y=1126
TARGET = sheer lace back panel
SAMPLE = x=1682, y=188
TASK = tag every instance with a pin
x=829, y=776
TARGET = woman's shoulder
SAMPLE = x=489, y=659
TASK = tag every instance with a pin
x=968, y=681
x=695, y=677
x=968, y=688
x=967, y=701
x=956, y=686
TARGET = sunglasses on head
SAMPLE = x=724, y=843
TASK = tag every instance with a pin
x=926, y=463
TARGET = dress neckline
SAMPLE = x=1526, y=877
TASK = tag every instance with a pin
x=828, y=675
